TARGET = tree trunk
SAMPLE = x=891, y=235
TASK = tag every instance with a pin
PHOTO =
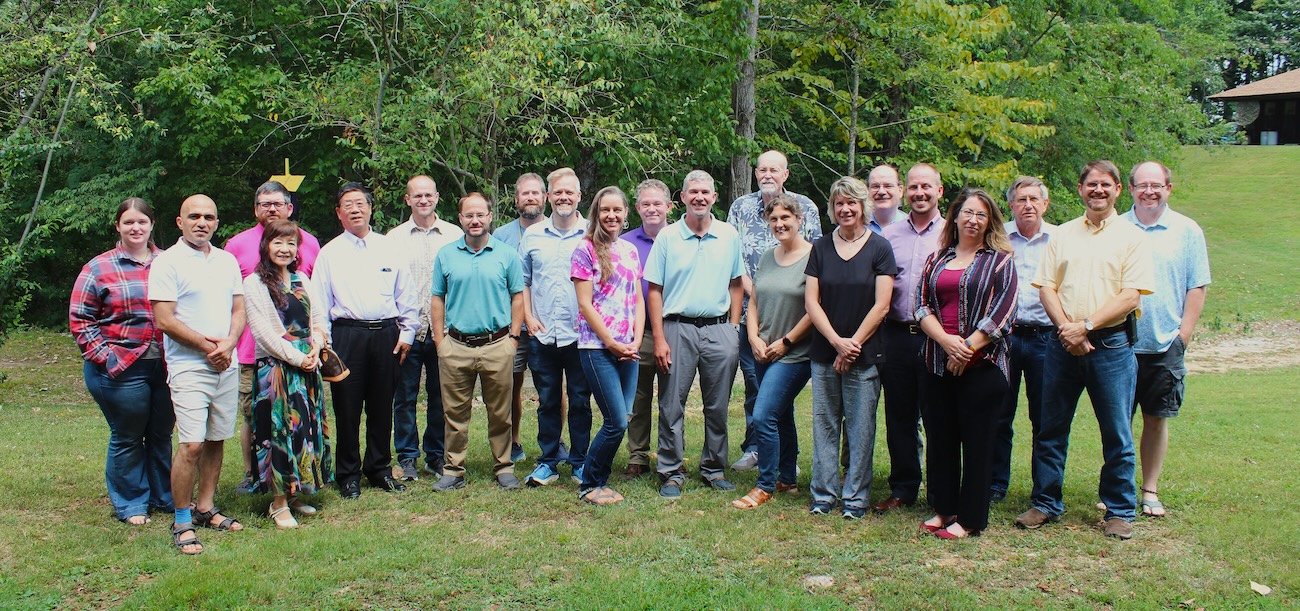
x=586, y=172
x=742, y=104
x=853, y=120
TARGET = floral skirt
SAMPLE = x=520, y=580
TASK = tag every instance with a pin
x=290, y=433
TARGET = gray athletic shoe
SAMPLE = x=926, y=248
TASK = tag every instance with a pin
x=409, y=472
x=748, y=462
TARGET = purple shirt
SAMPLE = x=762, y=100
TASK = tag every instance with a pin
x=244, y=245
x=911, y=248
x=642, y=242
x=614, y=297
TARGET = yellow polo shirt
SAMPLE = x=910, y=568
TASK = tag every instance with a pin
x=1088, y=264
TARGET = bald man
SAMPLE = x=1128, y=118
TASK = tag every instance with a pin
x=197, y=294
x=886, y=198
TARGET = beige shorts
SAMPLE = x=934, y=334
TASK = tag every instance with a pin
x=206, y=403
x=247, y=390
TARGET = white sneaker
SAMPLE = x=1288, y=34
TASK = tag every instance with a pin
x=748, y=462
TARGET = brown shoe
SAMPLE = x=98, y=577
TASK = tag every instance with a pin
x=889, y=504
x=634, y=471
x=1118, y=528
x=1034, y=518
x=789, y=488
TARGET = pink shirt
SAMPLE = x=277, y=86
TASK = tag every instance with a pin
x=614, y=298
x=244, y=245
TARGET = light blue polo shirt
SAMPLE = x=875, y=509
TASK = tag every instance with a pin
x=876, y=228
x=695, y=271
x=1177, y=246
x=476, y=286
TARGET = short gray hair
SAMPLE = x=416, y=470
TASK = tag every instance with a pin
x=1026, y=181
x=697, y=176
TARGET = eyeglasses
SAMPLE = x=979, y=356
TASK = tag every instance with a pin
x=967, y=213
x=1099, y=185
x=1150, y=186
x=270, y=205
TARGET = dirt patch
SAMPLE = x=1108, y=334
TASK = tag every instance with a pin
x=1270, y=344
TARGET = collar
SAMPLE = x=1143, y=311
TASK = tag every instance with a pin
x=1106, y=222
x=1159, y=222
x=687, y=233
x=359, y=242
x=439, y=226
x=1044, y=231
x=548, y=226
x=935, y=222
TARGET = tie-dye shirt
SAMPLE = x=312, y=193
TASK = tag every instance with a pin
x=615, y=299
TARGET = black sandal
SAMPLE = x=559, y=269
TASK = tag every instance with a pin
x=204, y=519
x=180, y=529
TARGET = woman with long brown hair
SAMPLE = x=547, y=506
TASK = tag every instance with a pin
x=290, y=434
x=966, y=303
x=606, y=273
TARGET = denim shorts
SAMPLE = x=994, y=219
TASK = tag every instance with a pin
x=1160, y=381
x=521, y=351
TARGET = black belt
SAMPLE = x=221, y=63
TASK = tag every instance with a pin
x=1032, y=329
x=911, y=327
x=699, y=322
x=372, y=325
x=478, y=339
x=1097, y=334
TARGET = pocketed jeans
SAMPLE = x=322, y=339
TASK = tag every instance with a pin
x=1109, y=374
x=138, y=407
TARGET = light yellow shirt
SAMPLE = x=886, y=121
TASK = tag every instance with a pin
x=1088, y=264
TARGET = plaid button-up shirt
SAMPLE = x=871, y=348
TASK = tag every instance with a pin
x=109, y=314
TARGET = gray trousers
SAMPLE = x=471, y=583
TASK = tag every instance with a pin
x=844, y=401
x=713, y=351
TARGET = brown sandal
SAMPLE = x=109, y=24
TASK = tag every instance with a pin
x=204, y=519
x=601, y=496
x=756, y=497
x=181, y=544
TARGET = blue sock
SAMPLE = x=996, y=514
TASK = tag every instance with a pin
x=183, y=516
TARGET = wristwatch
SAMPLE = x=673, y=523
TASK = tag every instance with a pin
x=785, y=340
x=514, y=337
x=1087, y=324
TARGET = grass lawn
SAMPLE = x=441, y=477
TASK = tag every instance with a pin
x=1244, y=198
x=1229, y=485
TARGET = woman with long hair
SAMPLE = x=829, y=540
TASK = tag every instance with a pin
x=850, y=281
x=778, y=326
x=290, y=434
x=112, y=321
x=966, y=303
x=606, y=273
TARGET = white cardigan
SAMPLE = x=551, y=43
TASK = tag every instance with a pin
x=264, y=321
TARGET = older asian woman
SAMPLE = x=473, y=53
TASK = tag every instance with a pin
x=290, y=434
x=966, y=303
x=112, y=321
x=850, y=281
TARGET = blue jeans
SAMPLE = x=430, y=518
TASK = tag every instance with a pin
x=778, y=442
x=1109, y=373
x=406, y=434
x=138, y=407
x=613, y=385
x=748, y=371
x=844, y=402
x=549, y=365
x=1027, y=353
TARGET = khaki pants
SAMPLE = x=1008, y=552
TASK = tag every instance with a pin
x=460, y=365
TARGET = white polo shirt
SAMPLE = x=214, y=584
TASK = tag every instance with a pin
x=203, y=287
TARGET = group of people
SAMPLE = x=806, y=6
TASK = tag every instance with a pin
x=945, y=313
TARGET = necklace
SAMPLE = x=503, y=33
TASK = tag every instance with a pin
x=840, y=233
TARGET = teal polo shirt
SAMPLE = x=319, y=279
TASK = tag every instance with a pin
x=477, y=286
x=695, y=271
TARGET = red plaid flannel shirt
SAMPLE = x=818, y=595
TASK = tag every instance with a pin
x=109, y=314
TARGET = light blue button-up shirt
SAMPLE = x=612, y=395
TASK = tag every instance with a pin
x=548, y=259
x=877, y=228
x=696, y=271
x=1177, y=246
x=1028, y=253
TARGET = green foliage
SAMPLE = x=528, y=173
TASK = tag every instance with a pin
x=174, y=97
